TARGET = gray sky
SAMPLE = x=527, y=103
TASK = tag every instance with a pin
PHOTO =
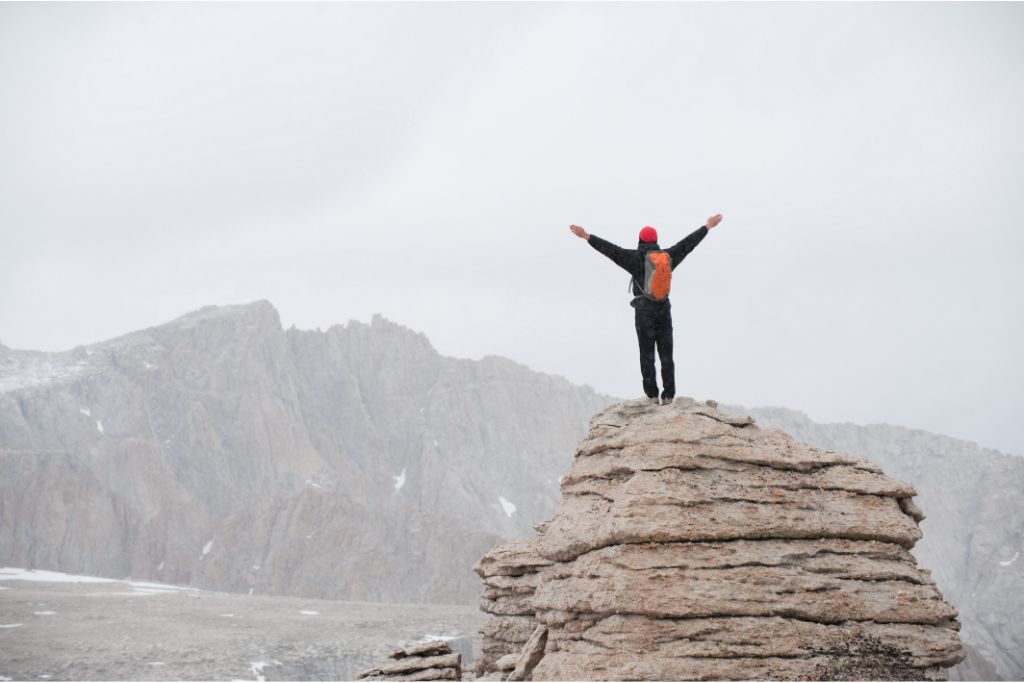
x=155, y=158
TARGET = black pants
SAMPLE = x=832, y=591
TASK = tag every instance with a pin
x=654, y=329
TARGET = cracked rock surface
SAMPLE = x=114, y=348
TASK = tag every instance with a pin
x=692, y=545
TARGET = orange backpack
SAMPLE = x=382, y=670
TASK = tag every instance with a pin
x=657, y=275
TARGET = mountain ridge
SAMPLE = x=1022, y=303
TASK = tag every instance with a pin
x=276, y=436
x=799, y=416
x=265, y=310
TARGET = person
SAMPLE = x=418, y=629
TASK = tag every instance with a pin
x=653, y=318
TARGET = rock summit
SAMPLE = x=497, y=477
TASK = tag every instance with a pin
x=690, y=544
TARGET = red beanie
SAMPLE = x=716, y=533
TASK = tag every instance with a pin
x=648, y=234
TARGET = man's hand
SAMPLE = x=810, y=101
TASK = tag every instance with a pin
x=714, y=220
x=580, y=232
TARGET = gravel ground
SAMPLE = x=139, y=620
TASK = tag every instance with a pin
x=122, y=631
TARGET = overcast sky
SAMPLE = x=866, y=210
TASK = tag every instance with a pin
x=425, y=161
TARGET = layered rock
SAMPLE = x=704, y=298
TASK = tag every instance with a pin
x=432, y=661
x=972, y=537
x=692, y=545
x=510, y=578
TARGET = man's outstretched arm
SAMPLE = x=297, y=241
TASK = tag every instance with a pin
x=579, y=232
x=620, y=256
x=678, y=251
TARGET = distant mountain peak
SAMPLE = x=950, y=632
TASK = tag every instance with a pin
x=260, y=310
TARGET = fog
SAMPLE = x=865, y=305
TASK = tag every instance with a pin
x=424, y=161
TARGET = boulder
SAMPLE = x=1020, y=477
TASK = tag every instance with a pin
x=433, y=661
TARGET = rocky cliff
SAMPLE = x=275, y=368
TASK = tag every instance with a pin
x=690, y=544
x=222, y=451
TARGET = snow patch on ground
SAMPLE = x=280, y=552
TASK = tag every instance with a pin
x=161, y=567
x=207, y=548
x=10, y=625
x=310, y=482
x=154, y=588
x=508, y=507
x=427, y=638
x=85, y=411
x=399, y=481
x=43, y=576
x=309, y=613
x=44, y=613
x=99, y=426
x=257, y=668
x=16, y=574
x=1011, y=560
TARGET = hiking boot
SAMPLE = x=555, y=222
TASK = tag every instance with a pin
x=653, y=399
x=665, y=400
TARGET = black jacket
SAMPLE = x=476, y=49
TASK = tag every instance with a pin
x=632, y=260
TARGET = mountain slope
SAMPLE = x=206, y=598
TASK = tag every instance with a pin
x=221, y=451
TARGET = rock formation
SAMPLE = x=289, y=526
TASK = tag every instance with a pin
x=510, y=574
x=692, y=545
x=429, y=662
x=433, y=661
